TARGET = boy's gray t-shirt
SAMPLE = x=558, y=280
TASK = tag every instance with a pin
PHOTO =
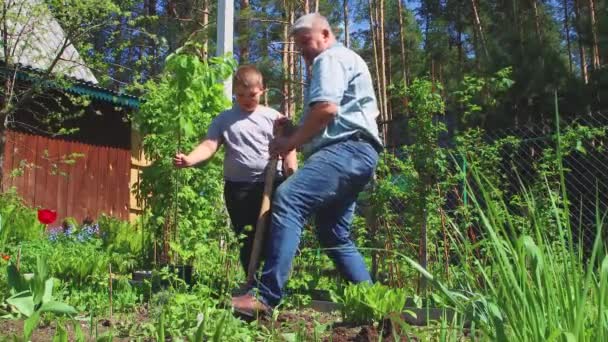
x=246, y=137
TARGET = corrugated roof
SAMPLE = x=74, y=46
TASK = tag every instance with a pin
x=37, y=39
x=84, y=88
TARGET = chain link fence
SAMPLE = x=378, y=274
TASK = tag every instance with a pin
x=524, y=163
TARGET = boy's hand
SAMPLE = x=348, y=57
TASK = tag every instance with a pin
x=181, y=160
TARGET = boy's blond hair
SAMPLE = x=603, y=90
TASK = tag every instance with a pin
x=248, y=76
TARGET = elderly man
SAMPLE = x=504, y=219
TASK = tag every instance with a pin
x=339, y=138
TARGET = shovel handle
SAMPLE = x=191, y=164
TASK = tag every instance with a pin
x=263, y=217
x=262, y=222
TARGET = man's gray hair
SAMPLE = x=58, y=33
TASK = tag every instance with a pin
x=310, y=21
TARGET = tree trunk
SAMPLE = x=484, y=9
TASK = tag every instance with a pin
x=372, y=29
x=478, y=27
x=383, y=63
x=285, y=60
x=567, y=34
x=517, y=21
x=389, y=106
x=459, y=38
x=206, y=9
x=477, y=51
x=304, y=68
x=581, y=47
x=402, y=41
x=243, y=33
x=595, y=50
x=316, y=5
x=537, y=22
x=292, y=65
x=346, y=32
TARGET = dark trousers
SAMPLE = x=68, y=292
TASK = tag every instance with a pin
x=243, y=201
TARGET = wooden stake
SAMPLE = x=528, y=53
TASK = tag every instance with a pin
x=110, y=277
x=18, y=257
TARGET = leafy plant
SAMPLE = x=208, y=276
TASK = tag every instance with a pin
x=18, y=222
x=185, y=205
x=198, y=317
x=530, y=284
x=479, y=94
x=33, y=296
x=366, y=303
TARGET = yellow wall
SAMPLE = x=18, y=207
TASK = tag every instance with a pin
x=138, y=162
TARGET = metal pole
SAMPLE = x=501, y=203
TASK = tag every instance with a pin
x=225, y=35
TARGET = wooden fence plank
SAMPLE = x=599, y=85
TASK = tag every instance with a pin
x=102, y=186
x=91, y=179
x=94, y=184
x=40, y=170
x=9, y=152
x=112, y=182
x=18, y=163
x=29, y=149
x=77, y=183
x=52, y=177
x=7, y=162
x=125, y=176
x=63, y=179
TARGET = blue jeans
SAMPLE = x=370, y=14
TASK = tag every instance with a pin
x=327, y=185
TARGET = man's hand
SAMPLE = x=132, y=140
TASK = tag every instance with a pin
x=281, y=146
x=290, y=163
x=285, y=126
x=181, y=160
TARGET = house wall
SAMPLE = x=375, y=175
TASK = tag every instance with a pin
x=77, y=180
x=138, y=162
x=80, y=175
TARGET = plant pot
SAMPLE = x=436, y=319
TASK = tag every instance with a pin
x=184, y=272
x=141, y=275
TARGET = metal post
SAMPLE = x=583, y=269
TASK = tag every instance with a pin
x=225, y=35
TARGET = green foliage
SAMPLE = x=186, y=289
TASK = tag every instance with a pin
x=33, y=296
x=18, y=222
x=416, y=177
x=480, y=95
x=177, y=110
x=366, y=303
x=124, y=242
x=81, y=263
x=196, y=314
x=534, y=286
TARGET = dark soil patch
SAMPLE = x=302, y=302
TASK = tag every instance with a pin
x=364, y=333
x=45, y=333
x=329, y=327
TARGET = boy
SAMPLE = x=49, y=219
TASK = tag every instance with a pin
x=246, y=131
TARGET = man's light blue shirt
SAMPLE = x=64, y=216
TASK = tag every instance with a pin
x=341, y=76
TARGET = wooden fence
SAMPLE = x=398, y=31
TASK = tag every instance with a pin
x=75, y=179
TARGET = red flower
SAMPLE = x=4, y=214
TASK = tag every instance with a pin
x=6, y=257
x=47, y=216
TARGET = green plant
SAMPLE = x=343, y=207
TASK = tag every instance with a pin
x=123, y=242
x=33, y=296
x=185, y=205
x=531, y=284
x=198, y=317
x=366, y=303
x=18, y=222
x=481, y=94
